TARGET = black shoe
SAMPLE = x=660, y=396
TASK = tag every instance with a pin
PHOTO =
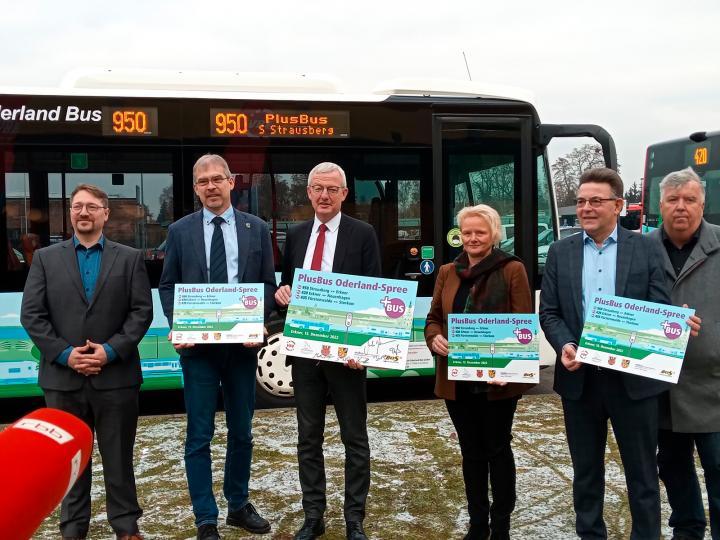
x=208, y=532
x=477, y=533
x=311, y=529
x=248, y=519
x=500, y=535
x=354, y=530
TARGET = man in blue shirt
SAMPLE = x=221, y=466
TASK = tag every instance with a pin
x=218, y=244
x=604, y=259
x=86, y=306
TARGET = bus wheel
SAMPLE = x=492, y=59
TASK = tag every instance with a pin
x=274, y=385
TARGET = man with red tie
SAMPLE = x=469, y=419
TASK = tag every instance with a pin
x=330, y=242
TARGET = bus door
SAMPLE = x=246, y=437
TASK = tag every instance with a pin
x=485, y=160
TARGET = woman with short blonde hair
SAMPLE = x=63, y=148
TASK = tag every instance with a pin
x=482, y=279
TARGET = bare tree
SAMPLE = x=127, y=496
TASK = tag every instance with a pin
x=567, y=169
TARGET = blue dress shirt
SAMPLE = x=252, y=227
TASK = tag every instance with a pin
x=230, y=238
x=599, y=265
x=89, y=260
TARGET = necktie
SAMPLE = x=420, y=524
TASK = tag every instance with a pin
x=319, y=247
x=218, y=264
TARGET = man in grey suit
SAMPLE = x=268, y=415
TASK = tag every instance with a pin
x=218, y=244
x=86, y=306
x=330, y=242
x=690, y=412
x=604, y=259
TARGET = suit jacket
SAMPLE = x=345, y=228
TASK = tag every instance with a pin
x=694, y=402
x=639, y=275
x=356, y=251
x=446, y=288
x=56, y=314
x=185, y=262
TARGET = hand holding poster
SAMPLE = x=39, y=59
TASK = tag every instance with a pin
x=335, y=317
x=633, y=336
x=218, y=313
x=500, y=347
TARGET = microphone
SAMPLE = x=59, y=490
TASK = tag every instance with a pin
x=41, y=457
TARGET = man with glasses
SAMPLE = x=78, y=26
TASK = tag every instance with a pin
x=330, y=242
x=86, y=306
x=604, y=259
x=218, y=244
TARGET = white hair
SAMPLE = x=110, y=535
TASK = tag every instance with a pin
x=678, y=179
x=327, y=167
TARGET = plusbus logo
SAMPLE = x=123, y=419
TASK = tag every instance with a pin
x=672, y=329
x=523, y=335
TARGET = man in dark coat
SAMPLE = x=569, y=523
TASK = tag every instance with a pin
x=690, y=412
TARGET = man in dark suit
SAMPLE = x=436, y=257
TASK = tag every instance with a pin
x=218, y=244
x=86, y=306
x=604, y=259
x=330, y=242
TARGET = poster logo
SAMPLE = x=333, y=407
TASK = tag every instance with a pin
x=394, y=307
x=672, y=330
x=249, y=302
x=342, y=352
x=523, y=335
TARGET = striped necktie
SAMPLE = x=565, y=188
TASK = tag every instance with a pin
x=218, y=264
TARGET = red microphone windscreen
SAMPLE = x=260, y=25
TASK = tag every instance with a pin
x=41, y=457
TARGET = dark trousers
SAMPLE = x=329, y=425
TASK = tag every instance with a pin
x=676, y=461
x=347, y=387
x=484, y=429
x=635, y=424
x=112, y=415
x=204, y=375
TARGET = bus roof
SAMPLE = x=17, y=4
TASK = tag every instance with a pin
x=249, y=85
x=696, y=137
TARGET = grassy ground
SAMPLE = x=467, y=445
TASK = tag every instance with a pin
x=417, y=489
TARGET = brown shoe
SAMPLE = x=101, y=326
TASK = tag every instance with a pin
x=135, y=536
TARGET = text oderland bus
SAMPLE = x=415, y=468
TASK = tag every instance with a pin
x=701, y=151
x=413, y=156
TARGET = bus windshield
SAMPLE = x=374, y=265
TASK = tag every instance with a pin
x=701, y=151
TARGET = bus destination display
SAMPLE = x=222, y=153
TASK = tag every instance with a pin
x=279, y=123
x=130, y=121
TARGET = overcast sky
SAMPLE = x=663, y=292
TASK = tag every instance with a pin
x=646, y=71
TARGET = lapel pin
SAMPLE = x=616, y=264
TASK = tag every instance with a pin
x=247, y=224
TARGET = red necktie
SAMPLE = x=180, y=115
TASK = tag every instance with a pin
x=319, y=247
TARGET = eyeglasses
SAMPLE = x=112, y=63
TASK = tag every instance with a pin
x=595, y=202
x=331, y=190
x=215, y=181
x=77, y=207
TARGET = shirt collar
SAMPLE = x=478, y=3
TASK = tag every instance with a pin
x=100, y=244
x=611, y=238
x=332, y=224
x=228, y=215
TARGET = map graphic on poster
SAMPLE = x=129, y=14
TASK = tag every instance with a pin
x=633, y=336
x=493, y=347
x=334, y=317
x=218, y=313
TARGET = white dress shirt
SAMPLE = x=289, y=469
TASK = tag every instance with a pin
x=331, y=235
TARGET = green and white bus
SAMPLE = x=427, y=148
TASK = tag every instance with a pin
x=414, y=154
x=701, y=151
